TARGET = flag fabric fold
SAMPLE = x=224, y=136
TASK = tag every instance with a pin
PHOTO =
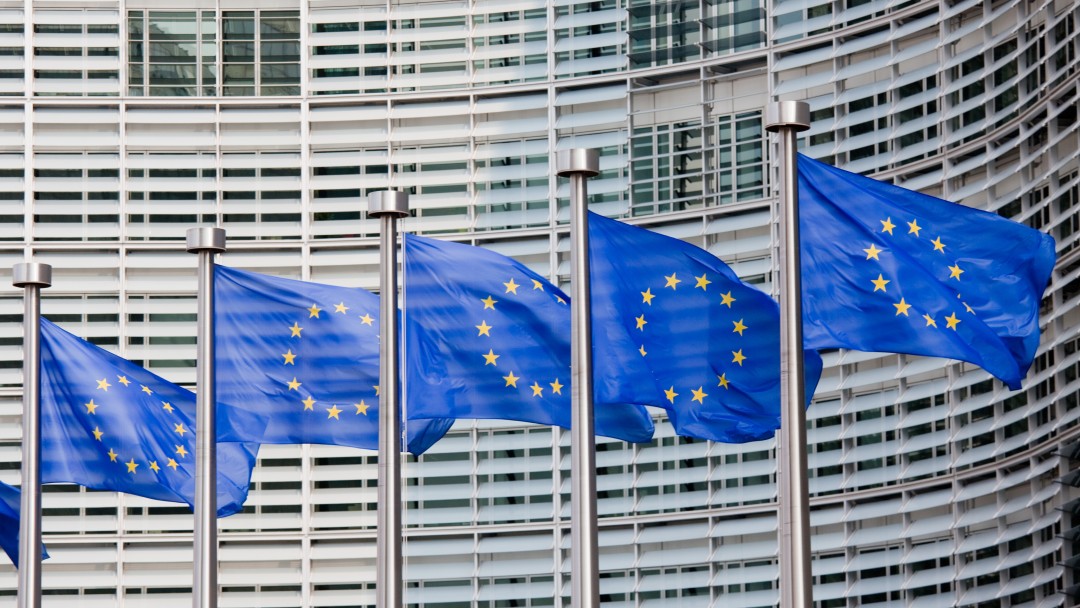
x=307, y=355
x=108, y=424
x=10, y=505
x=674, y=327
x=488, y=338
x=885, y=269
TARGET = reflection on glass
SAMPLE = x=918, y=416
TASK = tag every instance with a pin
x=172, y=26
x=239, y=74
x=160, y=42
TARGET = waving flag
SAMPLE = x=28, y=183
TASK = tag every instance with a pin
x=890, y=270
x=9, y=523
x=489, y=338
x=307, y=355
x=674, y=327
x=109, y=424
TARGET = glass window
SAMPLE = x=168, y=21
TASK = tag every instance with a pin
x=279, y=25
x=162, y=41
x=238, y=25
x=281, y=51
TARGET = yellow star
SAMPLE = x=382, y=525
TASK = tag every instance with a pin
x=332, y=412
x=165, y=405
x=103, y=384
x=671, y=394
x=367, y=319
x=672, y=281
x=556, y=387
x=132, y=466
x=295, y=329
x=738, y=357
x=560, y=300
x=154, y=466
x=90, y=407
x=538, y=285
x=872, y=252
x=179, y=428
x=739, y=327
x=955, y=272
x=171, y=463
x=98, y=433
x=968, y=308
x=489, y=302
x=490, y=357
x=902, y=308
x=314, y=311
x=887, y=225
x=376, y=387
x=538, y=391
x=647, y=296
x=511, y=379
x=290, y=358
x=699, y=395
x=123, y=380
x=702, y=281
x=880, y=282
x=938, y=245
x=723, y=381
x=952, y=321
x=112, y=455
x=309, y=403
x=181, y=451
x=146, y=389
x=294, y=385
x=914, y=227
x=361, y=408
x=642, y=350
x=485, y=329
x=511, y=286
x=726, y=299
x=930, y=322
x=641, y=322
x=340, y=308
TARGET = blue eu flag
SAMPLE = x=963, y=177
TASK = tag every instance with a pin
x=489, y=338
x=890, y=270
x=674, y=327
x=307, y=355
x=108, y=424
x=9, y=523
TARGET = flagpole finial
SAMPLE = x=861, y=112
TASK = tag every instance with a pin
x=575, y=161
x=388, y=203
x=792, y=114
x=31, y=273
x=206, y=238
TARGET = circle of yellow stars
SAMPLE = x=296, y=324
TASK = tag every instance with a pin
x=739, y=326
x=171, y=461
x=288, y=357
x=952, y=320
x=483, y=330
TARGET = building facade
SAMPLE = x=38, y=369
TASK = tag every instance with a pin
x=125, y=122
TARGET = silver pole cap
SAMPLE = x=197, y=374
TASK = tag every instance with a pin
x=794, y=114
x=206, y=238
x=584, y=161
x=31, y=273
x=388, y=203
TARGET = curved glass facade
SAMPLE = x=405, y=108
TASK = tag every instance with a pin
x=122, y=124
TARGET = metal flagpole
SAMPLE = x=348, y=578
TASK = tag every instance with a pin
x=389, y=205
x=787, y=118
x=32, y=277
x=205, y=241
x=579, y=164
